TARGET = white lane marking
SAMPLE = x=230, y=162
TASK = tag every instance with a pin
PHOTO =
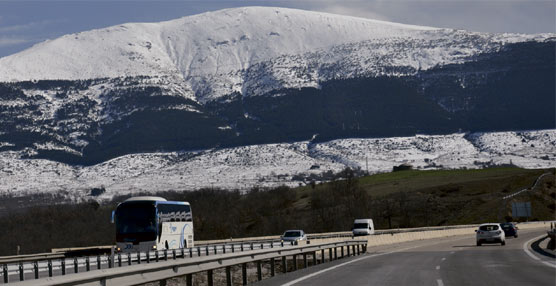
x=443, y=258
x=526, y=249
x=345, y=263
x=437, y=267
x=439, y=282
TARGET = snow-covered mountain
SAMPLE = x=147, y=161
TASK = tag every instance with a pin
x=272, y=165
x=251, y=50
x=262, y=75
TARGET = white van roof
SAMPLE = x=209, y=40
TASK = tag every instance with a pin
x=145, y=198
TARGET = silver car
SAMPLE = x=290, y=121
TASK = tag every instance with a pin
x=490, y=233
x=293, y=235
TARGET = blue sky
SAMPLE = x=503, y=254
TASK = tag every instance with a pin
x=24, y=23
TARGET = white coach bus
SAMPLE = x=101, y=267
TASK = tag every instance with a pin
x=148, y=223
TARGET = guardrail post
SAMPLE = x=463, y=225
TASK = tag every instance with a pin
x=330, y=254
x=358, y=251
x=174, y=254
x=314, y=258
x=342, y=251
x=63, y=265
x=335, y=252
x=272, y=267
x=191, y=252
x=262, y=245
x=353, y=249
x=110, y=261
x=244, y=273
x=242, y=246
x=272, y=244
x=199, y=251
x=348, y=253
x=49, y=268
x=228, y=275
x=138, y=257
x=156, y=255
x=148, y=257
x=224, y=249
x=165, y=254
x=36, y=268
x=189, y=279
x=284, y=264
x=233, y=249
x=183, y=253
x=21, y=274
x=251, y=246
x=5, y=271
x=87, y=264
x=364, y=248
x=281, y=243
x=129, y=258
x=322, y=256
x=259, y=271
x=305, y=264
x=75, y=265
x=210, y=282
x=207, y=250
x=119, y=260
x=294, y=262
x=98, y=262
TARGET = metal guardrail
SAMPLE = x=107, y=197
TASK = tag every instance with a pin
x=29, y=257
x=176, y=267
x=63, y=266
x=532, y=187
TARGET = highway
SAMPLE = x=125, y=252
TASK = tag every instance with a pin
x=446, y=261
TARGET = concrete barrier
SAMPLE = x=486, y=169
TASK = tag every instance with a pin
x=394, y=238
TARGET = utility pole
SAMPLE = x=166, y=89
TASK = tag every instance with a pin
x=367, y=165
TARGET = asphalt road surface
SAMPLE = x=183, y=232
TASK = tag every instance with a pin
x=448, y=261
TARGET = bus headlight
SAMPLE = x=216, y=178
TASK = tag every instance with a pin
x=154, y=246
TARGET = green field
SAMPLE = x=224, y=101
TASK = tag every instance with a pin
x=451, y=196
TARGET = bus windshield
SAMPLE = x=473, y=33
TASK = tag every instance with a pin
x=136, y=217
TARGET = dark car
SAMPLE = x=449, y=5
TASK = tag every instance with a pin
x=509, y=229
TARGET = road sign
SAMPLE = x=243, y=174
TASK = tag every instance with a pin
x=522, y=209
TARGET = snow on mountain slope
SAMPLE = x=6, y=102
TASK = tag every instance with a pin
x=272, y=165
x=250, y=50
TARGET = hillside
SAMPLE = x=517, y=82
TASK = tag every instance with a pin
x=273, y=165
x=259, y=75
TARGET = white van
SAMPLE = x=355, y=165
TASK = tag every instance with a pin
x=363, y=226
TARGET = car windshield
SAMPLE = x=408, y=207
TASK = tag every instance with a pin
x=507, y=225
x=361, y=225
x=489, y=227
x=292, y=233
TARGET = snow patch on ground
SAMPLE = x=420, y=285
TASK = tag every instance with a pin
x=272, y=165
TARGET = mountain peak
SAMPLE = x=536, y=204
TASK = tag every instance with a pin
x=216, y=53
